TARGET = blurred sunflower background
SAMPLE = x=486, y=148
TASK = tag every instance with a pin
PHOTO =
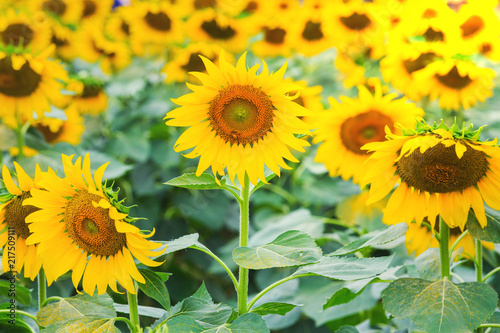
x=98, y=77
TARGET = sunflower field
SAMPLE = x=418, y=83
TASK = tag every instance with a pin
x=249, y=166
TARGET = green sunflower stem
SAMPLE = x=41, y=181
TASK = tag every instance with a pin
x=21, y=132
x=42, y=288
x=134, y=312
x=479, y=268
x=444, y=233
x=244, y=224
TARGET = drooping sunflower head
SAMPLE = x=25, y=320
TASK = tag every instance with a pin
x=441, y=170
x=349, y=125
x=13, y=215
x=81, y=225
x=240, y=120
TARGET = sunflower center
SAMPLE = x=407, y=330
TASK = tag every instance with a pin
x=472, y=26
x=432, y=35
x=125, y=28
x=214, y=30
x=15, y=214
x=251, y=7
x=90, y=91
x=89, y=8
x=195, y=64
x=159, y=21
x=421, y=62
x=312, y=31
x=356, y=21
x=453, y=79
x=56, y=7
x=241, y=114
x=19, y=83
x=364, y=128
x=486, y=48
x=16, y=34
x=439, y=170
x=48, y=135
x=200, y=4
x=90, y=227
x=274, y=36
x=58, y=42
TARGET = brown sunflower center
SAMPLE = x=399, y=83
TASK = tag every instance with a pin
x=195, y=64
x=214, y=30
x=453, y=79
x=59, y=42
x=421, y=62
x=312, y=31
x=356, y=21
x=432, y=35
x=200, y=4
x=90, y=227
x=274, y=36
x=241, y=114
x=89, y=8
x=90, y=91
x=56, y=7
x=472, y=26
x=15, y=214
x=252, y=7
x=48, y=135
x=364, y=128
x=439, y=170
x=19, y=83
x=485, y=48
x=159, y=21
x=125, y=27
x=16, y=34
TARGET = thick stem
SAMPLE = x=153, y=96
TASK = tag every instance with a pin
x=42, y=288
x=479, y=268
x=244, y=224
x=134, y=312
x=444, y=233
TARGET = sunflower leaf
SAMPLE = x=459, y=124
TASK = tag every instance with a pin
x=440, y=306
x=247, y=323
x=155, y=288
x=182, y=324
x=178, y=244
x=191, y=181
x=491, y=232
x=292, y=248
x=19, y=293
x=277, y=308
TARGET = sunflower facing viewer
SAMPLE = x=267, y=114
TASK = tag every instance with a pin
x=440, y=170
x=240, y=120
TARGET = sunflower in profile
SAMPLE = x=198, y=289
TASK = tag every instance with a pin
x=349, y=125
x=29, y=83
x=240, y=120
x=440, y=170
x=419, y=238
x=19, y=30
x=82, y=226
x=457, y=83
x=214, y=27
x=12, y=216
x=56, y=130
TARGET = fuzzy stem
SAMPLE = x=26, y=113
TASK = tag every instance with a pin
x=42, y=288
x=134, y=312
x=244, y=225
x=444, y=232
x=479, y=268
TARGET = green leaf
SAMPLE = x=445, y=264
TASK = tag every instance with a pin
x=155, y=288
x=428, y=264
x=292, y=248
x=490, y=233
x=268, y=174
x=202, y=293
x=374, y=238
x=441, y=306
x=19, y=293
x=347, y=329
x=97, y=307
x=84, y=325
x=189, y=180
x=183, y=324
x=14, y=324
x=247, y=323
x=180, y=243
x=347, y=268
x=143, y=310
x=277, y=308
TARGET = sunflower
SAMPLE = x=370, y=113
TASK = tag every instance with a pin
x=81, y=226
x=457, y=83
x=440, y=170
x=187, y=59
x=308, y=97
x=349, y=125
x=27, y=151
x=17, y=29
x=419, y=238
x=66, y=11
x=154, y=25
x=309, y=34
x=56, y=130
x=90, y=97
x=117, y=23
x=29, y=83
x=239, y=120
x=64, y=39
x=276, y=38
x=211, y=26
x=95, y=47
x=96, y=10
x=13, y=213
